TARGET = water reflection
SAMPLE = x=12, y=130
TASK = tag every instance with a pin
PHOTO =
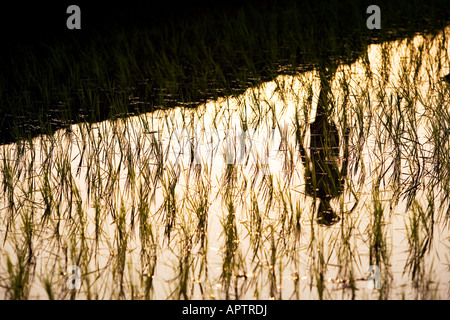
x=105, y=196
x=324, y=172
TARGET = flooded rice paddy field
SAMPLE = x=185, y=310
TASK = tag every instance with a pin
x=212, y=202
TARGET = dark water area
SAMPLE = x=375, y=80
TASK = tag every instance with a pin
x=134, y=57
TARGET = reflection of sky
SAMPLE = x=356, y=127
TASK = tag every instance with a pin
x=256, y=128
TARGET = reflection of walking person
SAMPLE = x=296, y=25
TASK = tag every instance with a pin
x=324, y=179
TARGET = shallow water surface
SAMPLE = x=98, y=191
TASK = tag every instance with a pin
x=211, y=203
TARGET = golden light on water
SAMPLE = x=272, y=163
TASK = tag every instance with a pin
x=136, y=172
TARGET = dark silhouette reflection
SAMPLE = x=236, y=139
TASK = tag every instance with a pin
x=324, y=175
x=446, y=78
